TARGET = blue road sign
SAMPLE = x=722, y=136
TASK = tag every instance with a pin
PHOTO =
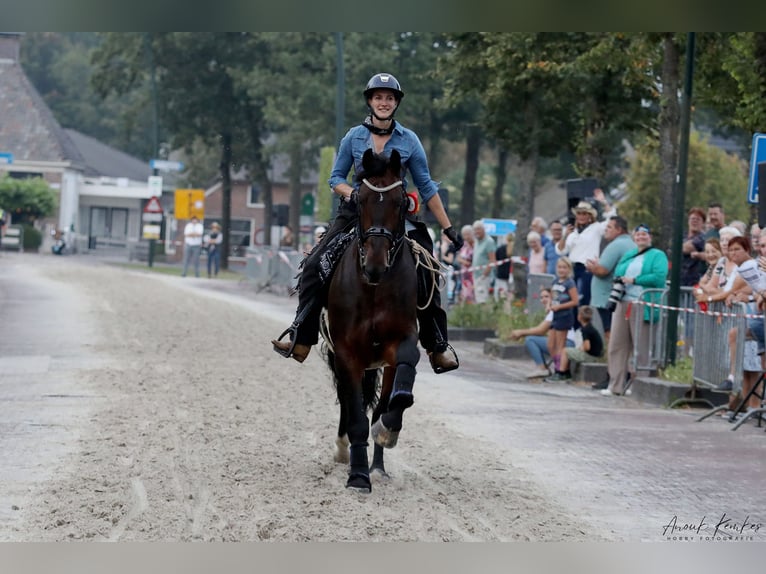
x=165, y=165
x=6, y=157
x=499, y=227
x=757, y=155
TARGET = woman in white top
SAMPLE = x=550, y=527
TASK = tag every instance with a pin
x=582, y=241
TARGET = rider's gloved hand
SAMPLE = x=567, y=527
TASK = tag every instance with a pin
x=454, y=237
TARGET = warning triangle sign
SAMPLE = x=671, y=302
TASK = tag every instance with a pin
x=153, y=205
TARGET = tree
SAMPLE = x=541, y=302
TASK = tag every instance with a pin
x=27, y=199
x=713, y=175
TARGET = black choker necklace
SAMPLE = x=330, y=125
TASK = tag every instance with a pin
x=376, y=130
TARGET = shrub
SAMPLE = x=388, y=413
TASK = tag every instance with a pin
x=32, y=239
x=518, y=318
x=475, y=315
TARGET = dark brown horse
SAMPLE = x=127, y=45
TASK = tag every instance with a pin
x=372, y=315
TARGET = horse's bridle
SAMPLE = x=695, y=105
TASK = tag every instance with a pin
x=396, y=240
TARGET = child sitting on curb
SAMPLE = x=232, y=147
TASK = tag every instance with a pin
x=591, y=349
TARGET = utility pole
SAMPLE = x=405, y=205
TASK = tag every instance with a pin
x=678, y=204
x=155, y=124
x=340, y=104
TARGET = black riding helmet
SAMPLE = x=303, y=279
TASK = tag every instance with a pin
x=386, y=82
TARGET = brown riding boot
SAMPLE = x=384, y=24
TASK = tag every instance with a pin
x=299, y=352
x=443, y=361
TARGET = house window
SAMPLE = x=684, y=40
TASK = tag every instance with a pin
x=23, y=174
x=254, y=196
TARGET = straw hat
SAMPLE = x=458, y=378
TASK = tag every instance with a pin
x=586, y=207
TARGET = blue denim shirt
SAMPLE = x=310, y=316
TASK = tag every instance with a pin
x=359, y=139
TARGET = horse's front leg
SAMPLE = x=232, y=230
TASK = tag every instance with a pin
x=358, y=429
x=386, y=429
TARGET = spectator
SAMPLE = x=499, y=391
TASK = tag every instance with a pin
x=565, y=301
x=536, y=257
x=557, y=230
x=725, y=271
x=693, y=263
x=755, y=235
x=713, y=254
x=739, y=291
x=287, y=237
x=591, y=349
x=536, y=338
x=212, y=242
x=602, y=268
x=715, y=220
x=619, y=242
x=582, y=240
x=483, y=262
x=192, y=245
x=538, y=224
x=642, y=268
x=4, y=218
x=449, y=260
x=503, y=275
x=465, y=259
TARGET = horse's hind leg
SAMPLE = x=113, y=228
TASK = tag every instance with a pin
x=385, y=393
x=341, y=441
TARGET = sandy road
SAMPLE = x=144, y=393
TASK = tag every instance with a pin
x=175, y=421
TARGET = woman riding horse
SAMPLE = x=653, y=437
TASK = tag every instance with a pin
x=382, y=134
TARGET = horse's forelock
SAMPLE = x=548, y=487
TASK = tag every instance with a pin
x=374, y=165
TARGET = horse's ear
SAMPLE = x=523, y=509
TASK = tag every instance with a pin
x=395, y=161
x=367, y=160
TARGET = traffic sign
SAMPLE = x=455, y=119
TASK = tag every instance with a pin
x=151, y=231
x=153, y=205
x=155, y=184
x=189, y=202
x=757, y=155
x=6, y=157
x=499, y=227
x=165, y=165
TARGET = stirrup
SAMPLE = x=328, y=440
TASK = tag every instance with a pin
x=293, y=331
x=439, y=370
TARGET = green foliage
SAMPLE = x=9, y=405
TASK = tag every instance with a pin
x=681, y=372
x=712, y=175
x=518, y=318
x=475, y=315
x=32, y=239
x=27, y=199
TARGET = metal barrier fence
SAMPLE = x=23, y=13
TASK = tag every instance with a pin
x=653, y=333
x=274, y=270
x=712, y=352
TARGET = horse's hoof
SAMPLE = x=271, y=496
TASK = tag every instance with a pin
x=379, y=473
x=383, y=436
x=341, y=450
x=359, y=482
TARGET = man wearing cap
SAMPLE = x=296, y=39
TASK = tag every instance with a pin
x=582, y=241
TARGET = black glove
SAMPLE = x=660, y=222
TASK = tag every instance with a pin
x=454, y=237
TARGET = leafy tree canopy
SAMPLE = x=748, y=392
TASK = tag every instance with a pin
x=27, y=199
